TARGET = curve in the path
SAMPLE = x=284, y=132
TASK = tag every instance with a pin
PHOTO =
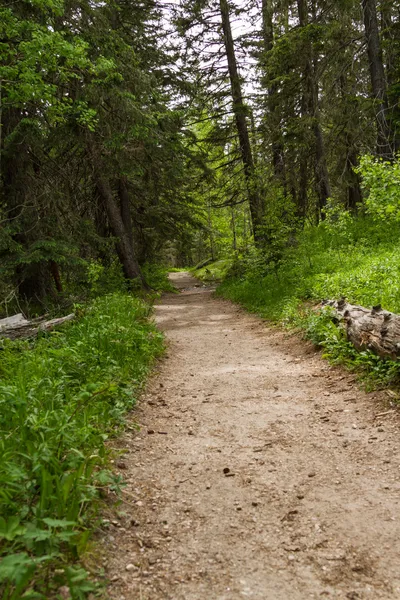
x=259, y=471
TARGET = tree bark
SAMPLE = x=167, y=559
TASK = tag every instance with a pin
x=126, y=252
x=377, y=330
x=310, y=105
x=256, y=205
x=278, y=157
x=389, y=36
x=378, y=81
x=210, y=230
x=125, y=207
x=17, y=326
x=321, y=169
x=354, y=193
x=55, y=272
x=353, y=180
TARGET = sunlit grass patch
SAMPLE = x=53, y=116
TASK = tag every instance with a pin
x=215, y=271
x=361, y=262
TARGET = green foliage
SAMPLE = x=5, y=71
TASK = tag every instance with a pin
x=61, y=397
x=381, y=179
x=358, y=258
x=216, y=271
x=83, y=85
x=279, y=226
x=103, y=280
x=321, y=327
x=344, y=256
x=157, y=278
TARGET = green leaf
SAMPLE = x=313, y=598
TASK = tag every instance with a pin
x=58, y=523
x=11, y=528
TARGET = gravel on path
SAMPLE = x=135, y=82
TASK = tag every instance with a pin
x=259, y=471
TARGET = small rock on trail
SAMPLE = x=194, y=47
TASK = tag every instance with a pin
x=312, y=509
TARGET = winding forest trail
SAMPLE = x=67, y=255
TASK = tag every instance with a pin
x=310, y=505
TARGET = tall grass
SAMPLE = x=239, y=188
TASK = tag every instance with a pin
x=361, y=261
x=214, y=272
x=353, y=257
x=61, y=397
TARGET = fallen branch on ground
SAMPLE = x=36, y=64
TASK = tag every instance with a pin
x=18, y=327
x=369, y=329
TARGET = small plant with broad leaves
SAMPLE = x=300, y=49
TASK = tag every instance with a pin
x=61, y=397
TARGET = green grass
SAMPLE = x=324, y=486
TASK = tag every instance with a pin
x=178, y=269
x=215, y=271
x=156, y=277
x=61, y=397
x=361, y=266
x=359, y=260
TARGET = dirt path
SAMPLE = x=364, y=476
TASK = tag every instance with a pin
x=308, y=504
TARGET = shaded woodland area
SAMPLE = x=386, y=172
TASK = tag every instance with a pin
x=255, y=139
x=142, y=132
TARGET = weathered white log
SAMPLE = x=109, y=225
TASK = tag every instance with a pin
x=46, y=325
x=19, y=327
x=370, y=329
x=14, y=321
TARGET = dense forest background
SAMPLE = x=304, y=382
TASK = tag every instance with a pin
x=143, y=132
x=256, y=140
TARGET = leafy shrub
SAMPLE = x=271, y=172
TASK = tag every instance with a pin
x=61, y=397
x=381, y=180
x=355, y=257
x=102, y=280
x=214, y=271
x=156, y=277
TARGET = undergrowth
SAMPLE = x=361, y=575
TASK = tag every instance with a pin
x=61, y=397
x=323, y=329
x=91, y=280
x=156, y=277
x=353, y=257
x=215, y=271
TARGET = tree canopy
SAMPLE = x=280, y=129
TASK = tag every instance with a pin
x=134, y=132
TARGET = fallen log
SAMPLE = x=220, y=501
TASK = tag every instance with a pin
x=46, y=325
x=13, y=322
x=373, y=329
x=17, y=326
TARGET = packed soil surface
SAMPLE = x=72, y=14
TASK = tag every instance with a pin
x=259, y=471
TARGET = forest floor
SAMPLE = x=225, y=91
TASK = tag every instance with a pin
x=260, y=471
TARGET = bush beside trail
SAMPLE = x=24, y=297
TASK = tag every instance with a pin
x=353, y=257
x=61, y=397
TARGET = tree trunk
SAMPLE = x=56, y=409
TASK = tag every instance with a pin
x=256, y=205
x=310, y=105
x=210, y=230
x=233, y=222
x=354, y=193
x=278, y=157
x=353, y=180
x=55, y=272
x=17, y=326
x=321, y=169
x=378, y=82
x=376, y=330
x=127, y=256
x=125, y=207
x=390, y=38
x=302, y=196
